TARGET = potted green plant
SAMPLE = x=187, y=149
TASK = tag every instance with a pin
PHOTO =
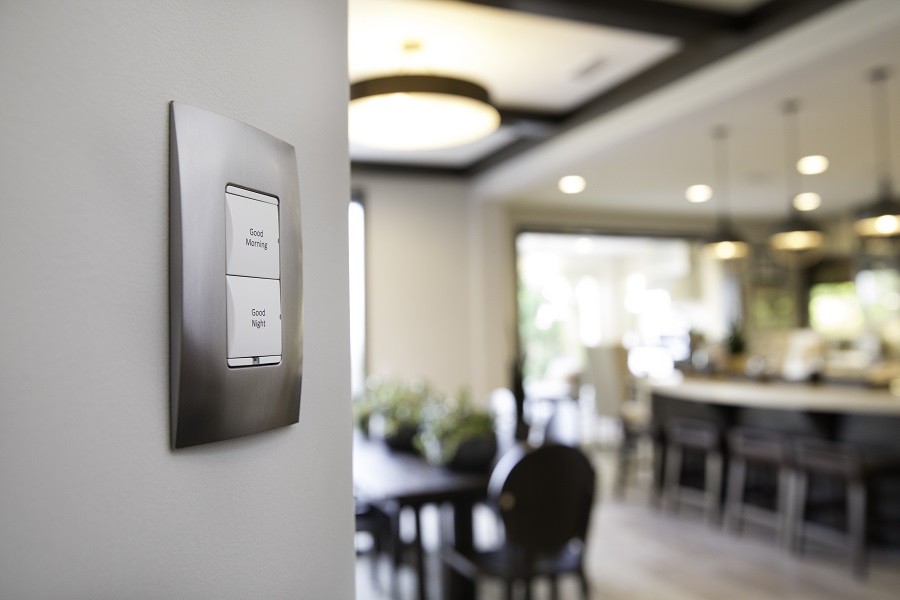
x=457, y=435
x=396, y=411
x=364, y=406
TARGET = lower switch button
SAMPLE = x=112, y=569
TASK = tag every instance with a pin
x=254, y=321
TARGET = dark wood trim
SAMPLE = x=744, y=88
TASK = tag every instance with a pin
x=363, y=168
x=648, y=16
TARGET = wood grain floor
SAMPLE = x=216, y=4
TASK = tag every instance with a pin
x=637, y=552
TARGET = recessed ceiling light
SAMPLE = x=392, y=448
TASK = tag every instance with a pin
x=584, y=245
x=698, y=193
x=807, y=201
x=572, y=184
x=812, y=165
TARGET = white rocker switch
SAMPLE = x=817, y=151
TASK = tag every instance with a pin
x=251, y=234
x=253, y=312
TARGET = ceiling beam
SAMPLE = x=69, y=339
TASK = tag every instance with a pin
x=360, y=167
x=765, y=21
x=647, y=16
x=762, y=23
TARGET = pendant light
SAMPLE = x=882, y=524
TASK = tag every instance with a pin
x=796, y=242
x=881, y=219
x=725, y=243
x=414, y=112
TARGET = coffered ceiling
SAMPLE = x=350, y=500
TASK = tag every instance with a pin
x=626, y=93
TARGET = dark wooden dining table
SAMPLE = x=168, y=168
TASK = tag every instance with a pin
x=394, y=480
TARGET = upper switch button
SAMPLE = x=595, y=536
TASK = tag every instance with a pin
x=251, y=234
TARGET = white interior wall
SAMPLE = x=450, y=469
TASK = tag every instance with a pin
x=493, y=265
x=419, y=310
x=94, y=504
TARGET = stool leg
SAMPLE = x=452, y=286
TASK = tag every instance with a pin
x=625, y=449
x=799, y=514
x=785, y=506
x=856, y=521
x=734, y=502
x=713, y=483
x=396, y=552
x=659, y=462
x=376, y=553
x=420, y=555
x=673, y=476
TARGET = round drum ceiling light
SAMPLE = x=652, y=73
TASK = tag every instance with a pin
x=419, y=112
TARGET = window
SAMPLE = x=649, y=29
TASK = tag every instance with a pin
x=647, y=294
x=356, y=220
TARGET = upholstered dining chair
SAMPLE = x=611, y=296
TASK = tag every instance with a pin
x=544, y=497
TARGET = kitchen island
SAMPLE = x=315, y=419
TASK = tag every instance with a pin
x=853, y=414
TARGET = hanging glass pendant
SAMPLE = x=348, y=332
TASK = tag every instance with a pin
x=797, y=242
x=725, y=244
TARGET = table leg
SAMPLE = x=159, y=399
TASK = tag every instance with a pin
x=456, y=529
x=420, y=555
x=396, y=550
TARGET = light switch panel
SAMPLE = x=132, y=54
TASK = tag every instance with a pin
x=235, y=279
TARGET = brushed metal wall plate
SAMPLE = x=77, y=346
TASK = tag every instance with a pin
x=211, y=401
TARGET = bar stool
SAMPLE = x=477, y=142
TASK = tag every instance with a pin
x=628, y=456
x=855, y=468
x=766, y=455
x=688, y=439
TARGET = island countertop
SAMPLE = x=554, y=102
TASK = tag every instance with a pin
x=778, y=395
